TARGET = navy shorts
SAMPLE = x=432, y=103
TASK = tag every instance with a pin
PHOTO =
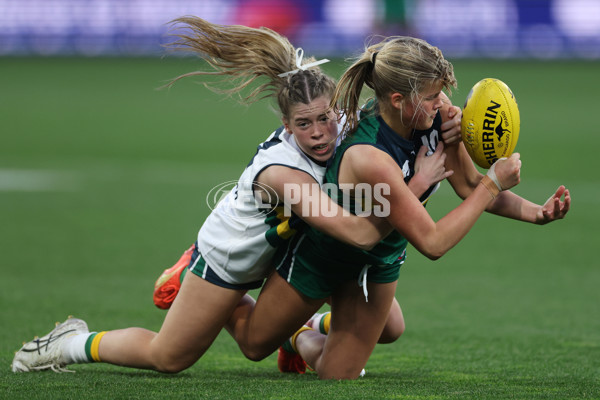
x=199, y=267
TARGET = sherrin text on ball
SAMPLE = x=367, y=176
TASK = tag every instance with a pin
x=490, y=122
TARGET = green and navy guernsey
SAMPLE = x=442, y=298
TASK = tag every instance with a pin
x=315, y=263
x=240, y=236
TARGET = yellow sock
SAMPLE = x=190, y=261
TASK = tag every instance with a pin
x=324, y=323
x=295, y=336
x=92, y=345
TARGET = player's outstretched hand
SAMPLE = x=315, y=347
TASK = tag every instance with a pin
x=554, y=208
x=508, y=171
x=451, y=128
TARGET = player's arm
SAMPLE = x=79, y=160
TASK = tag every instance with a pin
x=466, y=177
x=306, y=199
x=451, y=122
x=513, y=206
x=406, y=214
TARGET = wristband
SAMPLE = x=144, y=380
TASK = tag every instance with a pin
x=492, y=174
x=490, y=186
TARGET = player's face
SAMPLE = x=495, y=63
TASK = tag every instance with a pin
x=314, y=127
x=421, y=113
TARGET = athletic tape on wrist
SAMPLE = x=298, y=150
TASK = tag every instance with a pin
x=492, y=174
x=486, y=181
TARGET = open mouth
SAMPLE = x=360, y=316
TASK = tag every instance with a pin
x=321, y=148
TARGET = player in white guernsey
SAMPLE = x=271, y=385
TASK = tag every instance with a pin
x=239, y=238
x=407, y=76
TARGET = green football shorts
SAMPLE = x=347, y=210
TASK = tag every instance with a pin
x=317, y=274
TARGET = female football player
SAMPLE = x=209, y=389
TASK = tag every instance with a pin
x=407, y=76
x=237, y=241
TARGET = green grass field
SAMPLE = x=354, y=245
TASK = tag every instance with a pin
x=103, y=181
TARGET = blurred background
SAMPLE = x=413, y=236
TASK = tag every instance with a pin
x=462, y=28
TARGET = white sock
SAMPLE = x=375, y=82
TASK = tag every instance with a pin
x=73, y=348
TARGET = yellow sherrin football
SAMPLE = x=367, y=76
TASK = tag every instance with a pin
x=490, y=122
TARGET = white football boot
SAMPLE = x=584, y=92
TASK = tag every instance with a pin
x=46, y=353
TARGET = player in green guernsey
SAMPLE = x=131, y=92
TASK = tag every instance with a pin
x=324, y=253
x=407, y=76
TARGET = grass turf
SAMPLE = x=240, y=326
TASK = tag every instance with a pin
x=103, y=182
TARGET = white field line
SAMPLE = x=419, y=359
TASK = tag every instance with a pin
x=30, y=180
x=148, y=173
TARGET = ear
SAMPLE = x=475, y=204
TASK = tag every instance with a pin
x=286, y=125
x=397, y=100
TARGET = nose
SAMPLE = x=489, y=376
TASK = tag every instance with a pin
x=317, y=132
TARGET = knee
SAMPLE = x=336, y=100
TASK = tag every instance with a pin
x=169, y=363
x=255, y=352
x=254, y=355
x=392, y=332
x=170, y=366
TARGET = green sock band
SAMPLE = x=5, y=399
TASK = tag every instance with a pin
x=88, y=346
x=324, y=323
x=287, y=346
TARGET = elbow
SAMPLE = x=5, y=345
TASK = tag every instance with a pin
x=465, y=189
x=432, y=253
x=433, y=256
x=463, y=194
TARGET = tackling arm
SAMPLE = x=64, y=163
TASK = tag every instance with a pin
x=306, y=199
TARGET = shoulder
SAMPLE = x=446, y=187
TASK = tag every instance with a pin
x=276, y=175
x=365, y=132
x=279, y=148
x=368, y=161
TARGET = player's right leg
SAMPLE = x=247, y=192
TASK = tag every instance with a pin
x=394, y=326
x=356, y=327
x=393, y=329
x=198, y=314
